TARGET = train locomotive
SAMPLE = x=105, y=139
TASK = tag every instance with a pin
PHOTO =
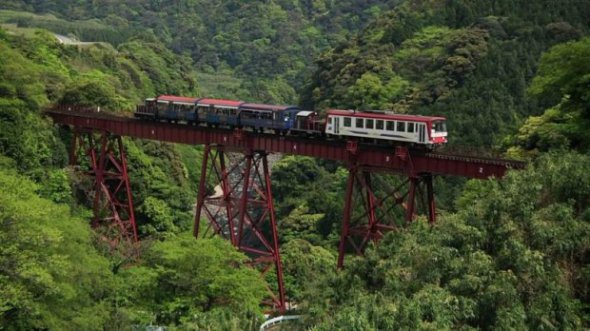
x=376, y=126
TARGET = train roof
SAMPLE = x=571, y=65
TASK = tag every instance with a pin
x=219, y=102
x=260, y=106
x=306, y=113
x=385, y=116
x=174, y=98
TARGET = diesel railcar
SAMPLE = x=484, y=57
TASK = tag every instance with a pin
x=414, y=129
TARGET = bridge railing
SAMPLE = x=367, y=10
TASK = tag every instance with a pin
x=76, y=109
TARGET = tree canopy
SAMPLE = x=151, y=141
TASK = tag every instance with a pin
x=561, y=84
x=506, y=254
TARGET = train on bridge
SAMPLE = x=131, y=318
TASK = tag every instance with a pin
x=377, y=126
x=107, y=165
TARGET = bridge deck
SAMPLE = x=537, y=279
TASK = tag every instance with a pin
x=378, y=158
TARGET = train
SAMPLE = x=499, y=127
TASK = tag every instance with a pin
x=375, y=126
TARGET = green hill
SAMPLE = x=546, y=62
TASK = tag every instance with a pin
x=510, y=254
x=468, y=60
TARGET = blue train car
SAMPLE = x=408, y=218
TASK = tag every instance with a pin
x=218, y=112
x=262, y=117
x=174, y=108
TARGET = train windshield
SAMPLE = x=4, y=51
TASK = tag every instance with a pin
x=439, y=126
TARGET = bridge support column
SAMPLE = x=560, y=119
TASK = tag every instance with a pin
x=106, y=165
x=240, y=209
x=375, y=204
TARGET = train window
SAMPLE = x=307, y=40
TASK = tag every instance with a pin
x=410, y=127
x=390, y=125
x=162, y=106
x=401, y=126
x=330, y=120
x=347, y=122
x=369, y=124
x=379, y=125
x=440, y=126
x=359, y=123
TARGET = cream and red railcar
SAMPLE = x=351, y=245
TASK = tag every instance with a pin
x=429, y=131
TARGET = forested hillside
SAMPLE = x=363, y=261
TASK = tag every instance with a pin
x=469, y=60
x=269, y=46
x=512, y=76
x=514, y=254
x=54, y=273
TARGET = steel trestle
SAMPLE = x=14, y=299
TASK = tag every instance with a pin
x=372, y=204
x=240, y=209
x=235, y=197
x=112, y=204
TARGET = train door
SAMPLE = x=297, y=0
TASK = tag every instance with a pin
x=336, y=125
x=421, y=133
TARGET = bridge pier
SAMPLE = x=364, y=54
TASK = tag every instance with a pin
x=106, y=165
x=240, y=209
x=375, y=204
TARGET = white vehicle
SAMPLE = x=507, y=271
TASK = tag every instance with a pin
x=422, y=130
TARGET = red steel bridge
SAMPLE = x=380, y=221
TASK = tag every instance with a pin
x=386, y=186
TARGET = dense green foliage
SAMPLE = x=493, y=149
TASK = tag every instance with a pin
x=38, y=70
x=515, y=256
x=53, y=274
x=308, y=199
x=468, y=60
x=53, y=277
x=190, y=283
x=271, y=45
x=509, y=254
x=562, y=83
